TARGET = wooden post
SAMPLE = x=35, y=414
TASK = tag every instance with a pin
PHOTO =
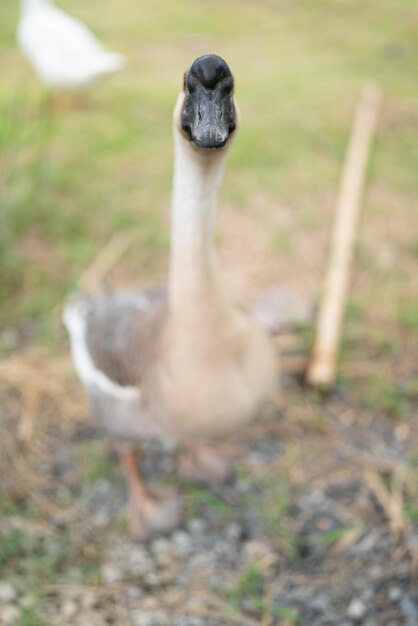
x=322, y=366
x=105, y=261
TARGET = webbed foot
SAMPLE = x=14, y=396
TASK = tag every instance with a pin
x=207, y=464
x=154, y=512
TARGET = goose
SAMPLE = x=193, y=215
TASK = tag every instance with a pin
x=180, y=364
x=62, y=50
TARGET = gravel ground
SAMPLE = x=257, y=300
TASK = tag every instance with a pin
x=316, y=528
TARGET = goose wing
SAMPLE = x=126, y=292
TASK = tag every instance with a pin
x=115, y=336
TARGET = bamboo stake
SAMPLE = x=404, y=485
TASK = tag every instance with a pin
x=93, y=277
x=322, y=365
x=105, y=261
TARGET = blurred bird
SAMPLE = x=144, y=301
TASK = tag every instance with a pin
x=62, y=50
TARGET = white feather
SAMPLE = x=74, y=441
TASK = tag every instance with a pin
x=62, y=50
x=75, y=323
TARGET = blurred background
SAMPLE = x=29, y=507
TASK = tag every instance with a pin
x=312, y=505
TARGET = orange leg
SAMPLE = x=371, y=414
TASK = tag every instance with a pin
x=151, y=512
x=59, y=102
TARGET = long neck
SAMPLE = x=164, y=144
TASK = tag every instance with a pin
x=196, y=183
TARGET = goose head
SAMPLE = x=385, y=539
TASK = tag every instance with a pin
x=206, y=113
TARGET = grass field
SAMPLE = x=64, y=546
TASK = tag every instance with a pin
x=71, y=179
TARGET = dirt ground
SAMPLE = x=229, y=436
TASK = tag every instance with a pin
x=318, y=526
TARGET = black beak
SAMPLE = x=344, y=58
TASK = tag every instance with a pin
x=208, y=115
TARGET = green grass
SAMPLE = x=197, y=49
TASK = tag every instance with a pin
x=198, y=497
x=250, y=589
x=92, y=461
x=270, y=498
x=31, y=616
x=411, y=514
x=381, y=394
x=7, y=505
x=408, y=315
x=12, y=545
x=33, y=563
x=330, y=537
x=68, y=181
x=250, y=583
x=23, y=553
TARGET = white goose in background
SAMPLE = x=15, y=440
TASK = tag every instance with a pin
x=62, y=50
x=182, y=364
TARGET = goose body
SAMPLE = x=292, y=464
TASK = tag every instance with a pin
x=62, y=50
x=181, y=363
x=151, y=374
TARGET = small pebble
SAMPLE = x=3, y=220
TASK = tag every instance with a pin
x=256, y=549
x=88, y=600
x=133, y=593
x=101, y=519
x=110, y=573
x=162, y=550
x=233, y=531
x=69, y=609
x=140, y=562
x=197, y=526
x=321, y=603
x=150, y=618
x=182, y=544
x=395, y=593
x=375, y=571
x=7, y=592
x=9, y=615
x=410, y=610
x=356, y=609
x=367, y=594
x=196, y=621
x=27, y=602
x=150, y=603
